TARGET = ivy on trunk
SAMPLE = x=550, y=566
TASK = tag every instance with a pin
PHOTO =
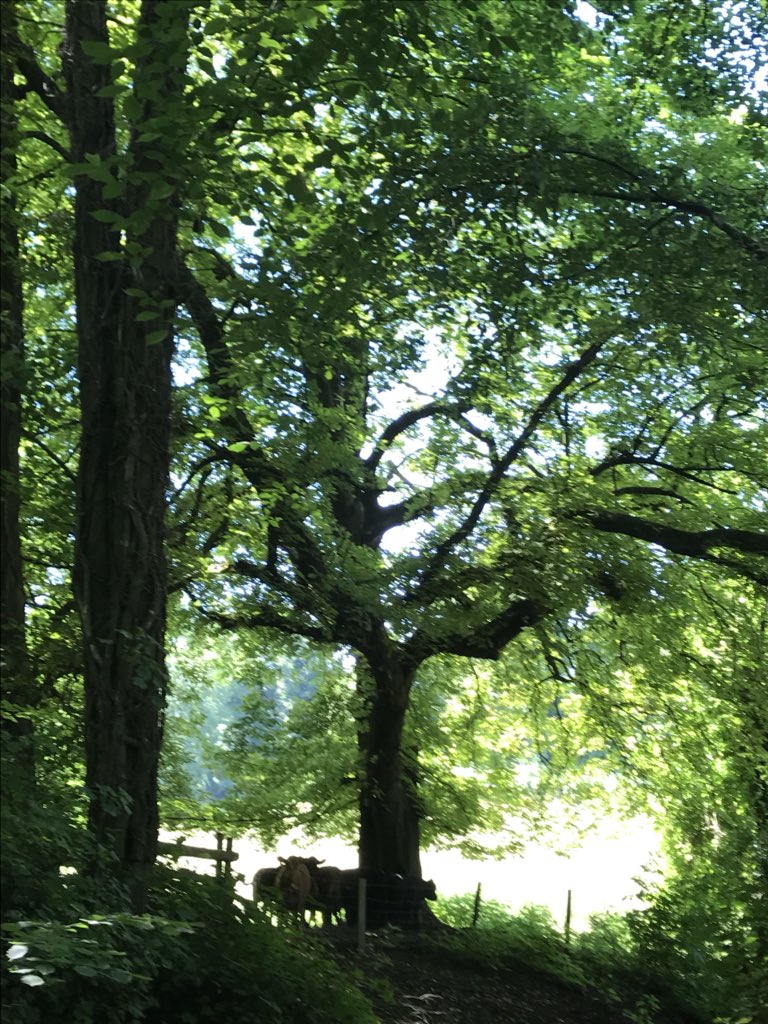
x=125, y=226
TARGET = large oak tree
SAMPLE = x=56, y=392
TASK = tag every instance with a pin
x=520, y=321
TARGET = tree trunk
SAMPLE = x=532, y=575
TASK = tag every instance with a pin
x=760, y=799
x=14, y=661
x=389, y=814
x=125, y=387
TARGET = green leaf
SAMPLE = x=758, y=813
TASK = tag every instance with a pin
x=99, y=52
x=112, y=190
x=94, y=169
x=86, y=970
x=268, y=43
x=216, y=25
x=110, y=91
x=219, y=229
x=121, y=976
x=161, y=190
x=132, y=108
x=155, y=337
x=146, y=315
x=107, y=216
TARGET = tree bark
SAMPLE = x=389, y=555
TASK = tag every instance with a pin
x=389, y=808
x=14, y=660
x=125, y=386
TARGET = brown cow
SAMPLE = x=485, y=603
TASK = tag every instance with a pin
x=325, y=892
x=328, y=892
x=264, y=885
x=294, y=884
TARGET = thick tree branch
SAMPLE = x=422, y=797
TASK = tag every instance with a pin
x=269, y=577
x=661, y=492
x=182, y=527
x=487, y=640
x=265, y=619
x=487, y=439
x=423, y=502
x=404, y=422
x=443, y=550
x=193, y=296
x=38, y=81
x=601, y=158
x=63, y=464
x=693, y=543
x=252, y=461
x=50, y=142
x=624, y=458
x=652, y=197
x=198, y=467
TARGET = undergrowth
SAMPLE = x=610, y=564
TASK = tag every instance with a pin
x=609, y=959
x=196, y=958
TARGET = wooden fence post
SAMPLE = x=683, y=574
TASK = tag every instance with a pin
x=362, y=892
x=219, y=849
x=476, y=908
x=568, y=920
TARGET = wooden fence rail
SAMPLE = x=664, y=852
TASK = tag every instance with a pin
x=223, y=857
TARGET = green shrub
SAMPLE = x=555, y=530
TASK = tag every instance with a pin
x=197, y=958
x=704, y=934
x=235, y=962
x=529, y=937
x=606, y=960
x=56, y=971
x=685, y=950
x=37, y=838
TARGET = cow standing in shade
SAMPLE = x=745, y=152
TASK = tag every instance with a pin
x=327, y=892
x=264, y=886
x=412, y=895
x=294, y=883
x=390, y=898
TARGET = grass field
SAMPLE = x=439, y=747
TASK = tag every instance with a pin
x=599, y=873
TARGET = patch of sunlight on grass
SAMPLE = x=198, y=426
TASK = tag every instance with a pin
x=600, y=873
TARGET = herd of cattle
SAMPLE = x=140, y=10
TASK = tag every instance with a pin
x=303, y=884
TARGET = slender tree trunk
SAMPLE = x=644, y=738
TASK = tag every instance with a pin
x=125, y=387
x=14, y=661
x=389, y=815
x=760, y=798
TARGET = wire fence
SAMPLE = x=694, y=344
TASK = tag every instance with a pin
x=359, y=899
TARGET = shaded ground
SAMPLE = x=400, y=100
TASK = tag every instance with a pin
x=413, y=983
